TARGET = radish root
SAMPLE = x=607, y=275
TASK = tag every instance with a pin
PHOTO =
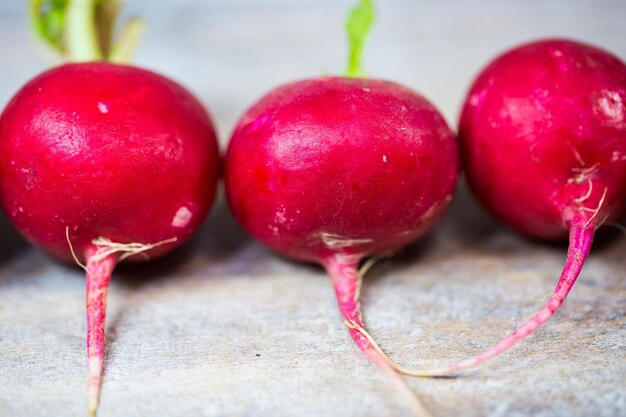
x=102, y=257
x=581, y=239
x=579, y=246
x=596, y=210
x=347, y=282
x=105, y=247
x=98, y=277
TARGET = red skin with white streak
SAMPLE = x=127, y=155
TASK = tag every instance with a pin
x=361, y=159
x=543, y=134
x=333, y=169
x=106, y=151
x=534, y=119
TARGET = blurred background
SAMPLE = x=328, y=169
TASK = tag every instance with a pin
x=224, y=327
x=230, y=52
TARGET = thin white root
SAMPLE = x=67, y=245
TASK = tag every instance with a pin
x=586, y=196
x=398, y=368
x=583, y=173
x=105, y=247
x=542, y=299
x=333, y=241
x=415, y=402
x=367, y=265
x=589, y=170
x=69, y=242
x=578, y=157
x=597, y=209
x=351, y=324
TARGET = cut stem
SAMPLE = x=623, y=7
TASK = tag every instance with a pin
x=106, y=16
x=47, y=19
x=358, y=25
x=123, y=50
x=82, y=30
x=580, y=240
x=98, y=277
x=347, y=283
x=81, y=34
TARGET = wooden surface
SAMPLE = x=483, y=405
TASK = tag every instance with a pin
x=223, y=327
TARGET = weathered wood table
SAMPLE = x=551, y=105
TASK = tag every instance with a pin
x=223, y=327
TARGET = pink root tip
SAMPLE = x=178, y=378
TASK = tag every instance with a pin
x=95, y=374
x=98, y=277
x=347, y=283
x=580, y=242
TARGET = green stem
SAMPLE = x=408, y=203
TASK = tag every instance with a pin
x=82, y=30
x=81, y=35
x=358, y=25
x=123, y=50
x=47, y=18
x=107, y=13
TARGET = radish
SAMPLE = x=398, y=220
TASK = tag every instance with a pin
x=332, y=170
x=104, y=162
x=543, y=134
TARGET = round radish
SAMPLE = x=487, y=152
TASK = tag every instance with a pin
x=335, y=169
x=543, y=135
x=107, y=151
x=104, y=162
x=111, y=162
x=343, y=168
x=332, y=170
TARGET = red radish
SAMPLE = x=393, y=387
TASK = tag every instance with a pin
x=103, y=162
x=123, y=159
x=340, y=166
x=543, y=135
x=332, y=170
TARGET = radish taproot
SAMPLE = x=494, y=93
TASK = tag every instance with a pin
x=543, y=137
x=332, y=170
x=103, y=162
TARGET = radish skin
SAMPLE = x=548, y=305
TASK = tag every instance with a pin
x=103, y=163
x=543, y=134
x=98, y=278
x=332, y=170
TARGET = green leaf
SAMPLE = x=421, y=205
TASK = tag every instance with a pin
x=48, y=19
x=358, y=25
x=83, y=30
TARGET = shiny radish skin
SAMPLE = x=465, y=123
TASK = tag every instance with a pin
x=103, y=162
x=340, y=166
x=543, y=135
x=107, y=151
x=331, y=170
